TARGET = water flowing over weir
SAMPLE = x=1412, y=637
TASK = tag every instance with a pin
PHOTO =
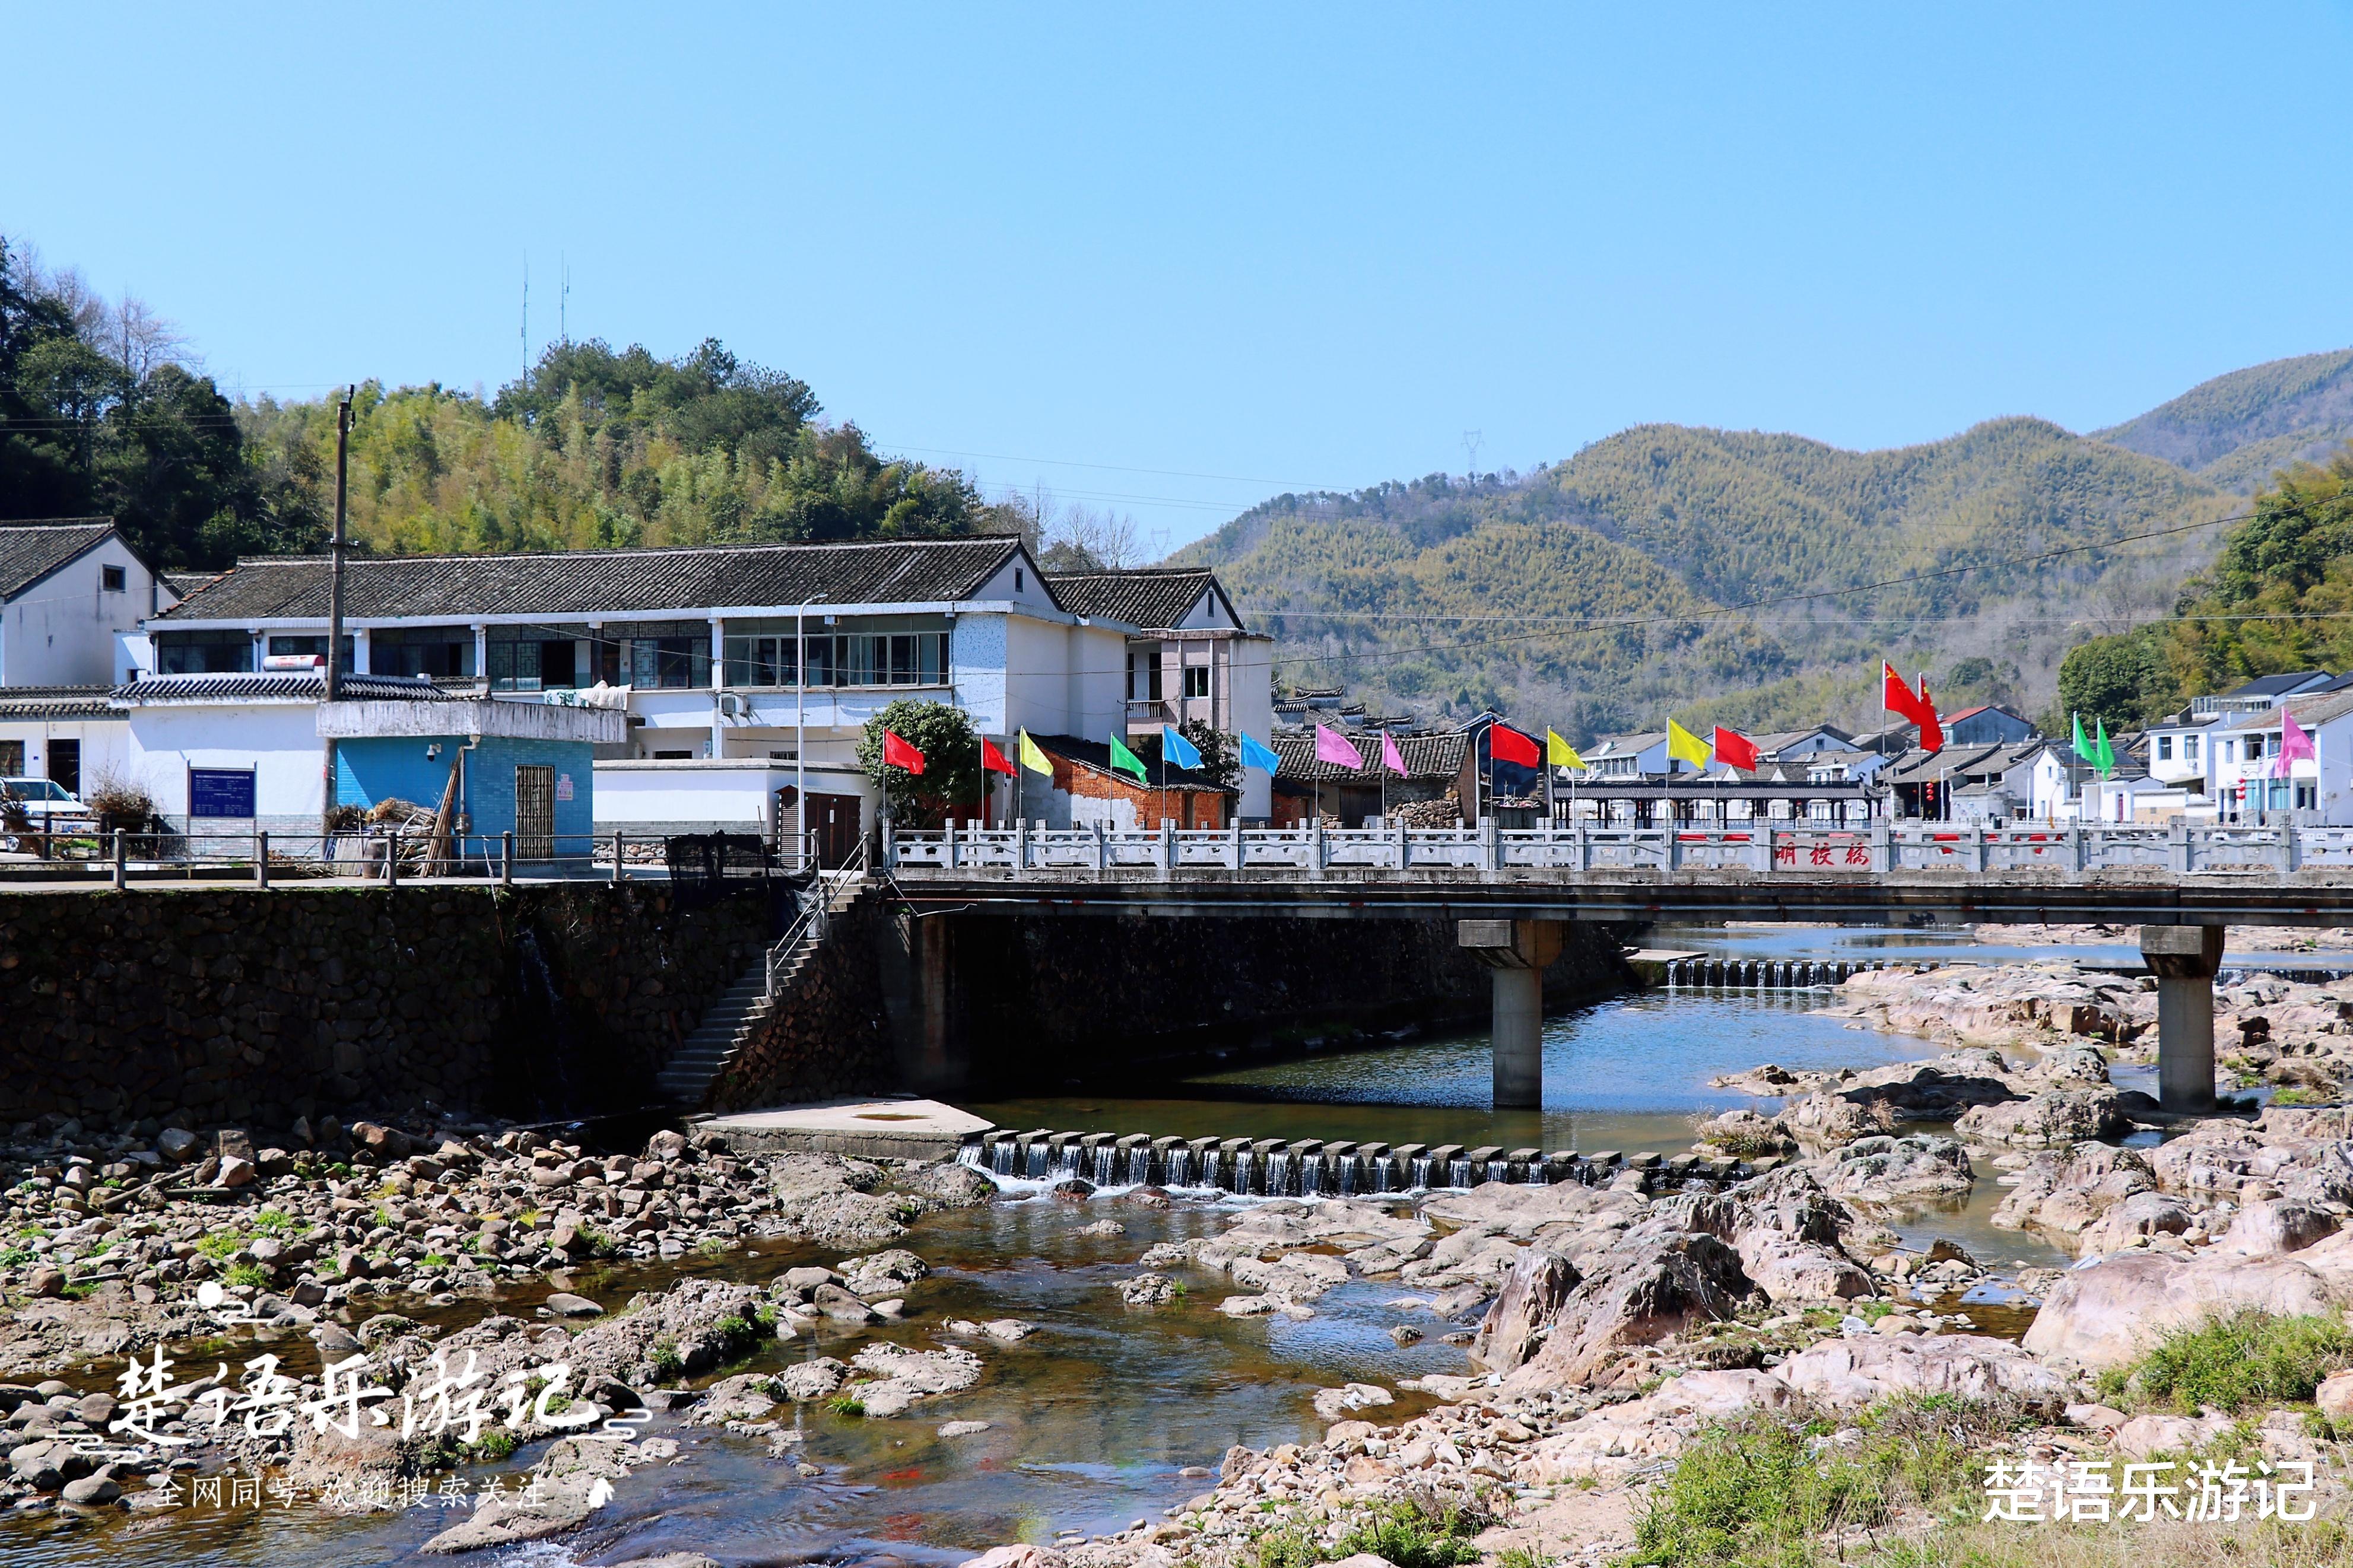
x=1766, y=973
x=1313, y=1168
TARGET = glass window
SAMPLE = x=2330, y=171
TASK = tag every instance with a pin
x=2189, y=748
x=2165, y=748
x=1196, y=681
x=111, y=579
x=203, y=653
x=761, y=660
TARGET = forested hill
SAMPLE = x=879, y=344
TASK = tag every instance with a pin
x=2237, y=430
x=1429, y=594
x=103, y=412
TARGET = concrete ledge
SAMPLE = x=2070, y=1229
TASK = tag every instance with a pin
x=867, y=1129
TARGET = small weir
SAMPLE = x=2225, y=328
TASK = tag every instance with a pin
x=1310, y=1167
x=1766, y=973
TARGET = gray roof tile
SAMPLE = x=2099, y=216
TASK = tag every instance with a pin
x=276, y=687
x=610, y=582
x=31, y=550
x=1154, y=599
x=1425, y=757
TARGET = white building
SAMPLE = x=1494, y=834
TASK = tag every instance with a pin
x=742, y=669
x=2317, y=789
x=72, y=595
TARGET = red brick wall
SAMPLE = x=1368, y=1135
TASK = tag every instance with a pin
x=1184, y=807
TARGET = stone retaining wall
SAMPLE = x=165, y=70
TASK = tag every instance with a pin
x=254, y=1008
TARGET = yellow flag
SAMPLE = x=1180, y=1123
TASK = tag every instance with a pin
x=1033, y=756
x=1559, y=752
x=1682, y=744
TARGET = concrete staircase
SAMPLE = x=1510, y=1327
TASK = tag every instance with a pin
x=731, y=1020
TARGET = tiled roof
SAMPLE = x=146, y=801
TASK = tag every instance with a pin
x=2272, y=685
x=186, y=583
x=31, y=550
x=611, y=581
x=273, y=686
x=2308, y=711
x=1149, y=599
x=1425, y=757
x=54, y=702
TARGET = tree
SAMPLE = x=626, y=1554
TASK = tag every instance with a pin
x=2123, y=679
x=950, y=780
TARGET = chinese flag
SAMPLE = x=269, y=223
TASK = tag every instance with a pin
x=1932, y=733
x=1734, y=748
x=1508, y=745
x=1898, y=698
x=897, y=753
x=992, y=760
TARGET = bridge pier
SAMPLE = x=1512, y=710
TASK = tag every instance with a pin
x=2184, y=959
x=1518, y=952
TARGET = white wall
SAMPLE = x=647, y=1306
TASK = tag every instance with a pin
x=62, y=630
x=1064, y=679
x=1253, y=711
x=733, y=796
x=279, y=743
x=105, y=744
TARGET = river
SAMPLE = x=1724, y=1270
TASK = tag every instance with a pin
x=1095, y=1419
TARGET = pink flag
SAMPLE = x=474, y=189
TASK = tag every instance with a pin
x=1333, y=747
x=1390, y=759
x=2295, y=743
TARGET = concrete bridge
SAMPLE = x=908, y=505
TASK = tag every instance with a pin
x=1509, y=888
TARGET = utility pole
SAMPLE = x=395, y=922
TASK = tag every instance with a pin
x=334, y=676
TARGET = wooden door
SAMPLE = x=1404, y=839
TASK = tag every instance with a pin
x=534, y=812
x=833, y=818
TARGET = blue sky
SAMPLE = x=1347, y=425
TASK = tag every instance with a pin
x=1217, y=252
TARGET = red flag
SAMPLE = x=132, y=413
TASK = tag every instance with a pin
x=897, y=753
x=1932, y=733
x=994, y=760
x=1508, y=745
x=1733, y=748
x=1896, y=697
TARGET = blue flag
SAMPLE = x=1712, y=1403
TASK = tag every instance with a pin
x=1178, y=750
x=1257, y=753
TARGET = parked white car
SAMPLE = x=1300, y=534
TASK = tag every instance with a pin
x=47, y=804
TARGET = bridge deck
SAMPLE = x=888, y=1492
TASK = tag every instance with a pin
x=2175, y=875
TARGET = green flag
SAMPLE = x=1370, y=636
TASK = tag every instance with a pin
x=2103, y=755
x=1126, y=761
x=2083, y=747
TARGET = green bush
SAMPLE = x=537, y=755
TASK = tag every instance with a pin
x=218, y=1244
x=846, y=1405
x=667, y=1362
x=249, y=1274
x=2242, y=1362
x=1760, y=1493
x=1414, y=1534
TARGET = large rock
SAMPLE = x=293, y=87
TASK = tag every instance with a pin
x=2115, y=1310
x=1888, y=1171
x=1533, y=1296
x=2139, y=1216
x=1868, y=1368
x=2269, y=1226
x=1790, y=1270
x=569, y=1477
x=904, y=1376
x=1657, y=1280
x=2058, y=1120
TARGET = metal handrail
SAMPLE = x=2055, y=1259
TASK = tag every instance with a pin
x=813, y=921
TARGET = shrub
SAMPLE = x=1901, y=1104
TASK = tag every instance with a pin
x=846, y=1405
x=666, y=1361
x=251, y=1274
x=2239, y=1362
x=1418, y=1535
x=493, y=1445
x=218, y=1244
x=1762, y=1490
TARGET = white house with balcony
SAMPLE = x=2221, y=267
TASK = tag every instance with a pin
x=1190, y=658
x=746, y=672
x=2251, y=785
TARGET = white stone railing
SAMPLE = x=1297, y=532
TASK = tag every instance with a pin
x=1762, y=849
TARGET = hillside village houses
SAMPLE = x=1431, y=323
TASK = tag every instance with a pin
x=713, y=685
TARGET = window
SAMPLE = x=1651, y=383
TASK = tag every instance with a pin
x=12, y=758
x=65, y=765
x=1017, y=579
x=112, y=579
x=1196, y=681
x=2165, y=748
x=2189, y=748
x=674, y=655
x=2254, y=748
x=540, y=665
x=204, y=653
x=2307, y=795
x=422, y=650
x=762, y=661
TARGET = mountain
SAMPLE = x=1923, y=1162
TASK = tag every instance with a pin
x=2237, y=430
x=1670, y=567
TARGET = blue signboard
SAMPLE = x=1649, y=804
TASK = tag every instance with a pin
x=221, y=792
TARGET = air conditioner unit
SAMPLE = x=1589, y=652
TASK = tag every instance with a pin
x=733, y=706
